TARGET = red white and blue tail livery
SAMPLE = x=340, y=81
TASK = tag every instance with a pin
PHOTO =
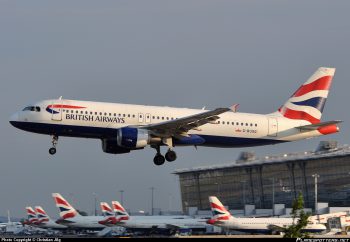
x=41, y=214
x=66, y=210
x=123, y=128
x=120, y=212
x=72, y=219
x=44, y=221
x=108, y=213
x=32, y=218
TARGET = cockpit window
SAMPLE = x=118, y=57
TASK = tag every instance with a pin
x=32, y=109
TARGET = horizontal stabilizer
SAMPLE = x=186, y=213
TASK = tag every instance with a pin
x=318, y=125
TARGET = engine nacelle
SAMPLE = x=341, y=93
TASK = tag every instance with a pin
x=133, y=138
x=111, y=146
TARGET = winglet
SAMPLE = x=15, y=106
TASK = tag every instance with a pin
x=234, y=107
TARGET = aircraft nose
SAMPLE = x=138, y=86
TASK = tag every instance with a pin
x=14, y=118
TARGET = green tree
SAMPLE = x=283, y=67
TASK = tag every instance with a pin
x=300, y=220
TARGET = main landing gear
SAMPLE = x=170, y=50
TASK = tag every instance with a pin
x=54, y=141
x=159, y=159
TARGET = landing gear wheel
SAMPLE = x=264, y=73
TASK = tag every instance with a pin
x=170, y=156
x=159, y=160
x=54, y=141
x=52, y=151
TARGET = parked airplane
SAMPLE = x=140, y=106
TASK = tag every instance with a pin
x=124, y=127
x=167, y=224
x=223, y=218
x=71, y=218
x=45, y=222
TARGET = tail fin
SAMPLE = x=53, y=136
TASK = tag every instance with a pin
x=106, y=209
x=120, y=211
x=66, y=210
x=31, y=214
x=308, y=101
x=42, y=215
x=108, y=213
x=218, y=210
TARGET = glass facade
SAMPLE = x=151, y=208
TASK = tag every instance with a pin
x=261, y=183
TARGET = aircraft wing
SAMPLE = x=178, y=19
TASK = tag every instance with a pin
x=318, y=125
x=276, y=228
x=179, y=127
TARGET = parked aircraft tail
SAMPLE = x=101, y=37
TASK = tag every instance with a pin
x=120, y=211
x=42, y=215
x=66, y=210
x=31, y=215
x=218, y=210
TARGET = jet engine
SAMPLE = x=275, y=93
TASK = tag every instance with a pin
x=133, y=138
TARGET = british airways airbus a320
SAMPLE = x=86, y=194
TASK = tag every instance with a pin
x=124, y=127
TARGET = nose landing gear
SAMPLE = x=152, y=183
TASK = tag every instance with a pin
x=54, y=141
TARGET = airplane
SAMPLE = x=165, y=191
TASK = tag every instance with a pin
x=153, y=224
x=267, y=225
x=71, y=218
x=124, y=127
x=45, y=222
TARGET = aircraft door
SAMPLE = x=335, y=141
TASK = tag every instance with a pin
x=148, y=118
x=56, y=110
x=141, y=117
x=273, y=127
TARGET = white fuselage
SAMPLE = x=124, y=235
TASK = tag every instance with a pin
x=84, y=222
x=162, y=222
x=265, y=225
x=100, y=120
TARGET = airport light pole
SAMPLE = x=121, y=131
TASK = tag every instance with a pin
x=243, y=185
x=152, y=199
x=95, y=200
x=273, y=196
x=218, y=189
x=121, y=197
x=316, y=205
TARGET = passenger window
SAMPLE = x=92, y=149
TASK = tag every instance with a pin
x=37, y=109
x=124, y=115
x=128, y=115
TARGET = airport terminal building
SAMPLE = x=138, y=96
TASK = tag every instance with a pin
x=275, y=179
